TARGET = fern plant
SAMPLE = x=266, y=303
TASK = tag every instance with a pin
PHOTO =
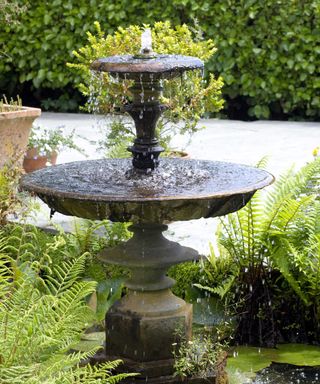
x=42, y=318
x=49, y=251
x=303, y=264
x=262, y=279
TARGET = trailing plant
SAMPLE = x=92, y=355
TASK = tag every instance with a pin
x=187, y=98
x=42, y=318
x=47, y=141
x=11, y=200
x=265, y=285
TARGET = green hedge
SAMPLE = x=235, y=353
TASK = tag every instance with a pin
x=268, y=51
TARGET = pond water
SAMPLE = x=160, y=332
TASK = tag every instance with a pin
x=288, y=374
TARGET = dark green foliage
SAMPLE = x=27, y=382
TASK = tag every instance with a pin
x=185, y=275
x=191, y=277
x=268, y=51
x=49, y=251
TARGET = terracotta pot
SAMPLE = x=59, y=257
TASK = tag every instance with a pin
x=33, y=161
x=15, y=127
x=178, y=154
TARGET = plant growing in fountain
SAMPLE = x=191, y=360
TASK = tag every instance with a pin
x=187, y=97
x=199, y=358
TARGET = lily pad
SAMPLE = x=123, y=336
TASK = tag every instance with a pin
x=299, y=354
x=286, y=373
x=249, y=360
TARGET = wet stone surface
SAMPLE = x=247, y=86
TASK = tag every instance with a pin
x=165, y=66
x=178, y=190
x=114, y=180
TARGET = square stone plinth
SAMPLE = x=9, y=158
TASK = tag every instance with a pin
x=145, y=338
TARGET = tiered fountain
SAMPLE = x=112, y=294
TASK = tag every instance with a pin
x=141, y=327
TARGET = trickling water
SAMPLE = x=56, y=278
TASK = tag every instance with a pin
x=146, y=40
x=95, y=89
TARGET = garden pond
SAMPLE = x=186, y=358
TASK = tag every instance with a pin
x=285, y=364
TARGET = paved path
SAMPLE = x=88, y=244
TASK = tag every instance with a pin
x=285, y=144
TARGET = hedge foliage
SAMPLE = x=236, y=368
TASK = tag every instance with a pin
x=268, y=51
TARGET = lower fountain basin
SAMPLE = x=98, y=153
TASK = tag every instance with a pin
x=177, y=190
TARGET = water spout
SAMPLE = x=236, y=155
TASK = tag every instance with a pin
x=146, y=41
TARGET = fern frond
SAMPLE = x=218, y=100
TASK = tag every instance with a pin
x=65, y=275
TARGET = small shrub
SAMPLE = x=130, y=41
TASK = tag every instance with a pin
x=47, y=141
x=187, y=98
x=185, y=275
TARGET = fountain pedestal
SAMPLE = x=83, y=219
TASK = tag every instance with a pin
x=144, y=324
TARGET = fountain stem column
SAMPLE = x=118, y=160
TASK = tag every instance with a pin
x=142, y=326
x=145, y=111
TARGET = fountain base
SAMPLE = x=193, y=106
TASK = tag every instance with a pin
x=160, y=369
x=142, y=326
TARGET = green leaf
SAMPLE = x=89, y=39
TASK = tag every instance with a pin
x=252, y=359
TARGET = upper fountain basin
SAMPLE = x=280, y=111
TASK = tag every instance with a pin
x=160, y=66
x=177, y=190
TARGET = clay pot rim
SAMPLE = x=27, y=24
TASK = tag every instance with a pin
x=19, y=113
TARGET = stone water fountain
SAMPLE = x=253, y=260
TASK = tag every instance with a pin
x=141, y=327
